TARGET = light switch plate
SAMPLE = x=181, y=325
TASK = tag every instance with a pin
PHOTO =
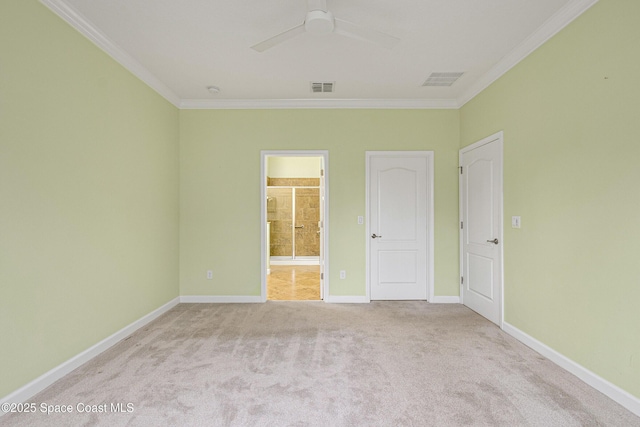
x=360, y=220
x=515, y=222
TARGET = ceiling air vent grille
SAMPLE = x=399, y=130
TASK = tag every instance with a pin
x=322, y=87
x=442, y=79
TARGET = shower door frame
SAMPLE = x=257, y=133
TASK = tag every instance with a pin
x=324, y=215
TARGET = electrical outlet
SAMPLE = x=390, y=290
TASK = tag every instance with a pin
x=360, y=220
x=209, y=274
x=343, y=274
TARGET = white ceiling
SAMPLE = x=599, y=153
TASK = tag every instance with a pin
x=181, y=47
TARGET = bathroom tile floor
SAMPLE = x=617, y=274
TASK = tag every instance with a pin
x=294, y=283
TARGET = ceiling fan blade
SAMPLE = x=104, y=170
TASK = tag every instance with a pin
x=271, y=42
x=355, y=31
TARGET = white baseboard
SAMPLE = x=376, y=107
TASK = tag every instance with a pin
x=219, y=299
x=445, y=300
x=363, y=299
x=29, y=390
x=347, y=299
x=617, y=394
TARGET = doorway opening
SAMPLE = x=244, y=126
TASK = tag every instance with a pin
x=294, y=188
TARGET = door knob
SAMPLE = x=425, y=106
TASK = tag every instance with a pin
x=494, y=241
x=373, y=236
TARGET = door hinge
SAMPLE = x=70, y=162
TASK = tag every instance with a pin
x=321, y=276
x=461, y=280
x=461, y=225
x=321, y=172
x=460, y=170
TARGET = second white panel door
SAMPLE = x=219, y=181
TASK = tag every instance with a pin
x=481, y=208
x=399, y=194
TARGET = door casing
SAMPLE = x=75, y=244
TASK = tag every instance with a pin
x=324, y=235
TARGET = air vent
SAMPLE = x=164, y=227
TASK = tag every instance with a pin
x=442, y=79
x=322, y=87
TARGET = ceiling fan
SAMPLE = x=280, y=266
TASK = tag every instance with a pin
x=321, y=21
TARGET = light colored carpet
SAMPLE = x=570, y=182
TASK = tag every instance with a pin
x=317, y=364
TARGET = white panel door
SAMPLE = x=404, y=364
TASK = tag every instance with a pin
x=399, y=203
x=481, y=227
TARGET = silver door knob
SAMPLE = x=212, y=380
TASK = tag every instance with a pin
x=373, y=236
x=494, y=241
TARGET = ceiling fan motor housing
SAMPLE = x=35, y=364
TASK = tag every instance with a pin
x=319, y=22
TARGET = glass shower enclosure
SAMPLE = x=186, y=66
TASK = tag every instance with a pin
x=294, y=214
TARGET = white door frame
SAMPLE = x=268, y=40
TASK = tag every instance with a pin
x=499, y=139
x=263, y=213
x=430, y=215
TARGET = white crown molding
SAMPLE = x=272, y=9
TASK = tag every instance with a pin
x=614, y=392
x=29, y=390
x=550, y=28
x=230, y=104
x=87, y=29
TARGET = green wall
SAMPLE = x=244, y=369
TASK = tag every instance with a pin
x=570, y=115
x=293, y=167
x=220, y=189
x=88, y=190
